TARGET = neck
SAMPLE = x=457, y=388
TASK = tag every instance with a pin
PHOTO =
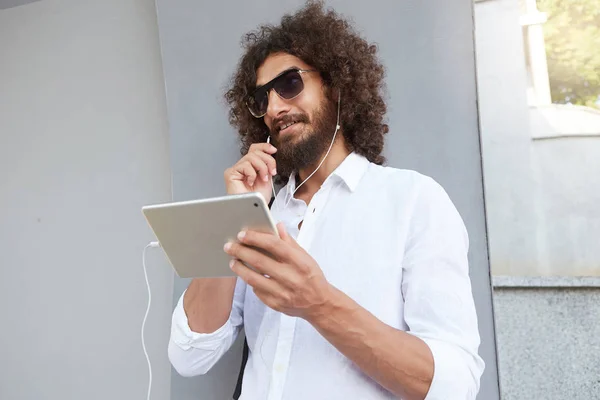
x=336, y=156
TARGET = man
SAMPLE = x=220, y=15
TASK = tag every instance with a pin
x=367, y=293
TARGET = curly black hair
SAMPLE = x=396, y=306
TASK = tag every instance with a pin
x=328, y=43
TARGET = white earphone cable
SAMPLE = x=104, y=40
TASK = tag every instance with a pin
x=151, y=244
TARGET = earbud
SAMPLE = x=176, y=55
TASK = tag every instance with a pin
x=269, y=139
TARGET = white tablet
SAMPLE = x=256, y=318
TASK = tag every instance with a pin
x=193, y=233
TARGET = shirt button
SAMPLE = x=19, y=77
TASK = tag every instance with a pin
x=279, y=368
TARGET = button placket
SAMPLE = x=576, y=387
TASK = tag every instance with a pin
x=287, y=324
x=287, y=328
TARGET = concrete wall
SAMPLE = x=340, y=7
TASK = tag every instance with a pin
x=567, y=195
x=83, y=145
x=548, y=338
x=565, y=150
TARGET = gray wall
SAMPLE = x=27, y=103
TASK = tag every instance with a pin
x=548, y=338
x=4, y=4
x=567, y=194
x=83, y=145
x=428, y=50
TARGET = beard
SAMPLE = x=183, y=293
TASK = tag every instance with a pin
x=304, y=150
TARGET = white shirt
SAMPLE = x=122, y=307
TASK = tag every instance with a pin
x=391, y=240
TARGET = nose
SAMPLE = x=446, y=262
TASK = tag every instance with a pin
x=276, y=106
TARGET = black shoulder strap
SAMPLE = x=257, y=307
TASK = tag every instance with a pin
x=238, y=387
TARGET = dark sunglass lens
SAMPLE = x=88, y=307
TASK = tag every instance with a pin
x=289, y=85
x=259, y=102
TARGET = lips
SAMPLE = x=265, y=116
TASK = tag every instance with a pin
x=287, y=128
x=282, y=127
x=285, y=124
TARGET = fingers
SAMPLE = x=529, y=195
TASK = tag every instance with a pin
x=264, y=152
x=254, y=279
x=285, y=236
x=268, y=242
x=246, y=171
x=260, y=262
x=282, y=232
x=257, y=164
x=264, y=147
x=269, y=161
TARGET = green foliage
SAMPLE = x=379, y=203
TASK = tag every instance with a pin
x=572, y=36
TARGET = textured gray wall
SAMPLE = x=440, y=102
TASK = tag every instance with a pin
x=428, y=50
x=83, y=146
x=548, y=342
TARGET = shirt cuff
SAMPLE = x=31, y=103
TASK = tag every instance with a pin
x=452, y=376
x=185, y=338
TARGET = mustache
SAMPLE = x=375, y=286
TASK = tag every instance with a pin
x=286, y=119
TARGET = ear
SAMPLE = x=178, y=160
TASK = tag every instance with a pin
x=337, y=94
x=334, y=94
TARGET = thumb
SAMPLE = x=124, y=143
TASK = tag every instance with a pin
x=283, y=234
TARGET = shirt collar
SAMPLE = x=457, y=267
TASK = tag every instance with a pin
x=350, y=171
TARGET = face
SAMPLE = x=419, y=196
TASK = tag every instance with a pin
x=302, y=127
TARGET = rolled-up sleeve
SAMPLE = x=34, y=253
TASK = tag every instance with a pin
x=193, y=353
x=439, y=306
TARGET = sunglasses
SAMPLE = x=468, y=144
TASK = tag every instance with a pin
x=287, y=85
